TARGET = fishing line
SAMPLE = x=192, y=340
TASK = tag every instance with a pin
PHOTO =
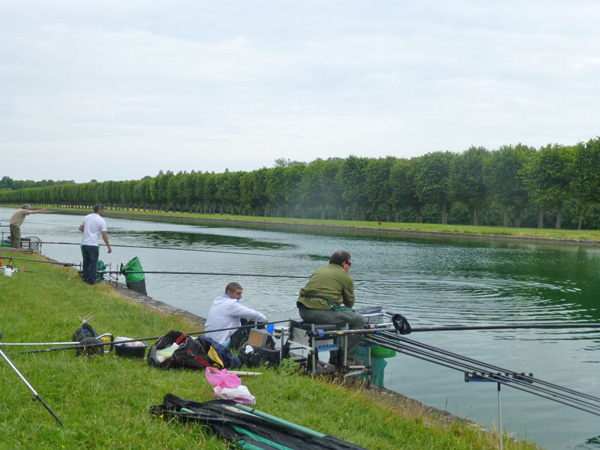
x=176, y=248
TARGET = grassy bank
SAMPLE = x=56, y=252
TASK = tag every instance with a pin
x=104, y=401
x=566, y=236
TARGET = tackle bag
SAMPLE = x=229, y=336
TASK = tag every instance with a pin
x=84, y=331
x=179, y=350
x=252, y=356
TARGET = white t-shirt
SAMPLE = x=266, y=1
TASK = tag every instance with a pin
x=93, y=226
x=226, y=312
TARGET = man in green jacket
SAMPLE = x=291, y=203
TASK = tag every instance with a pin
x=329, y=296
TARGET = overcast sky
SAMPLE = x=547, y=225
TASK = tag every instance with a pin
x=120, y=89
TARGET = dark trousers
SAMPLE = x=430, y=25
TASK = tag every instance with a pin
x=15, y=236
x=90, y=255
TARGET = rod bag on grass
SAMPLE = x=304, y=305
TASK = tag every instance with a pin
x=248, y=428
x=179, y=350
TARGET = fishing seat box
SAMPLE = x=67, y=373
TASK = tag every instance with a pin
x=299, y=334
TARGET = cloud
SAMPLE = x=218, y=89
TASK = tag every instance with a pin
x=119, y=90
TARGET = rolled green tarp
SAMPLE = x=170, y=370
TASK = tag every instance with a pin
x=136, y=280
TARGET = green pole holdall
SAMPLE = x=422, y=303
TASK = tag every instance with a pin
x=136, y=280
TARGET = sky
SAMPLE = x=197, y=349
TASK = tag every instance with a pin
x=121, y=89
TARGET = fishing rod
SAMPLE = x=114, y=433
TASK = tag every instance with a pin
x=41, y=261
x=98, y=344
x=29, y=386
x=151, y=247
x=260, y=275
x=509, y=326
x=166, y=272
x=378, y=328
x=475, y=370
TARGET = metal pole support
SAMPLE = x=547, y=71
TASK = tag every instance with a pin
x=36, y=395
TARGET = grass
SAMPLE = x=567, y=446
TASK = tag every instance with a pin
x=104, y=400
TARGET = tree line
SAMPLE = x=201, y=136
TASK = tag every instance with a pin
x=9, y=183
x=553, y=186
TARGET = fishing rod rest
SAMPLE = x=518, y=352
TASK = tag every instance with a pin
x=498, y=377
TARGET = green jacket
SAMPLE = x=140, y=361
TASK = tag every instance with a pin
x=332, y=282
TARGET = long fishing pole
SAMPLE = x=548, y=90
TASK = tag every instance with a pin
x=496, y=368
x=385, y=326
x=166, y=272
x=260, y=275
x=41, y=261
x=508, y=326
x=24, y=380
x=481, y=370
x=182, y=249
x=98, y=344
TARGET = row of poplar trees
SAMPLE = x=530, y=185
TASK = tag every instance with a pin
x=553, y=186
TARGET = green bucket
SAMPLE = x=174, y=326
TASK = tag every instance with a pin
x=134, y=266
x=382, y=352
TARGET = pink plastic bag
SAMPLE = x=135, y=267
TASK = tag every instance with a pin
x=222, y=379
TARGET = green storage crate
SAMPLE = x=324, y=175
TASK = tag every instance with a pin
x=382, y=352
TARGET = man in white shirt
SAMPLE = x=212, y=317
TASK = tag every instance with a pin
x=226, y=315
x=93, y=226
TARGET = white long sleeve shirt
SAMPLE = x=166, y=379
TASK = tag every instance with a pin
x=226, y=312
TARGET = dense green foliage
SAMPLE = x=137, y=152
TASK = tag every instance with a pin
x=9, y=183
x=104, y=401
x=555, y=186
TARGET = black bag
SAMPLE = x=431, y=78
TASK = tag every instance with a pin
x=260, y=356
x=84, y=331
x=191, y=353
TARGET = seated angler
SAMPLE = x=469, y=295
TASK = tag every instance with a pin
x=227, y=314
x=328, y=298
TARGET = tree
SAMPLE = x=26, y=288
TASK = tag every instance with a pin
x=503, y=174
x=432, y=173
x=253, y=192
x=466, y=179
x=402, y=188
x=351, y=180
x=548, y=175
x=585, y=183
x=377, y=185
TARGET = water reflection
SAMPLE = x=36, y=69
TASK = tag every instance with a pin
x=181, y=239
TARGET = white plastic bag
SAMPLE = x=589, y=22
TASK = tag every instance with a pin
x=240, y=394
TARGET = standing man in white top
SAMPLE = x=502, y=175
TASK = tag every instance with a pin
x=93, y=226
x=228, y=312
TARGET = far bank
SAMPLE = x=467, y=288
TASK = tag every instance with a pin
x=544, y=235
